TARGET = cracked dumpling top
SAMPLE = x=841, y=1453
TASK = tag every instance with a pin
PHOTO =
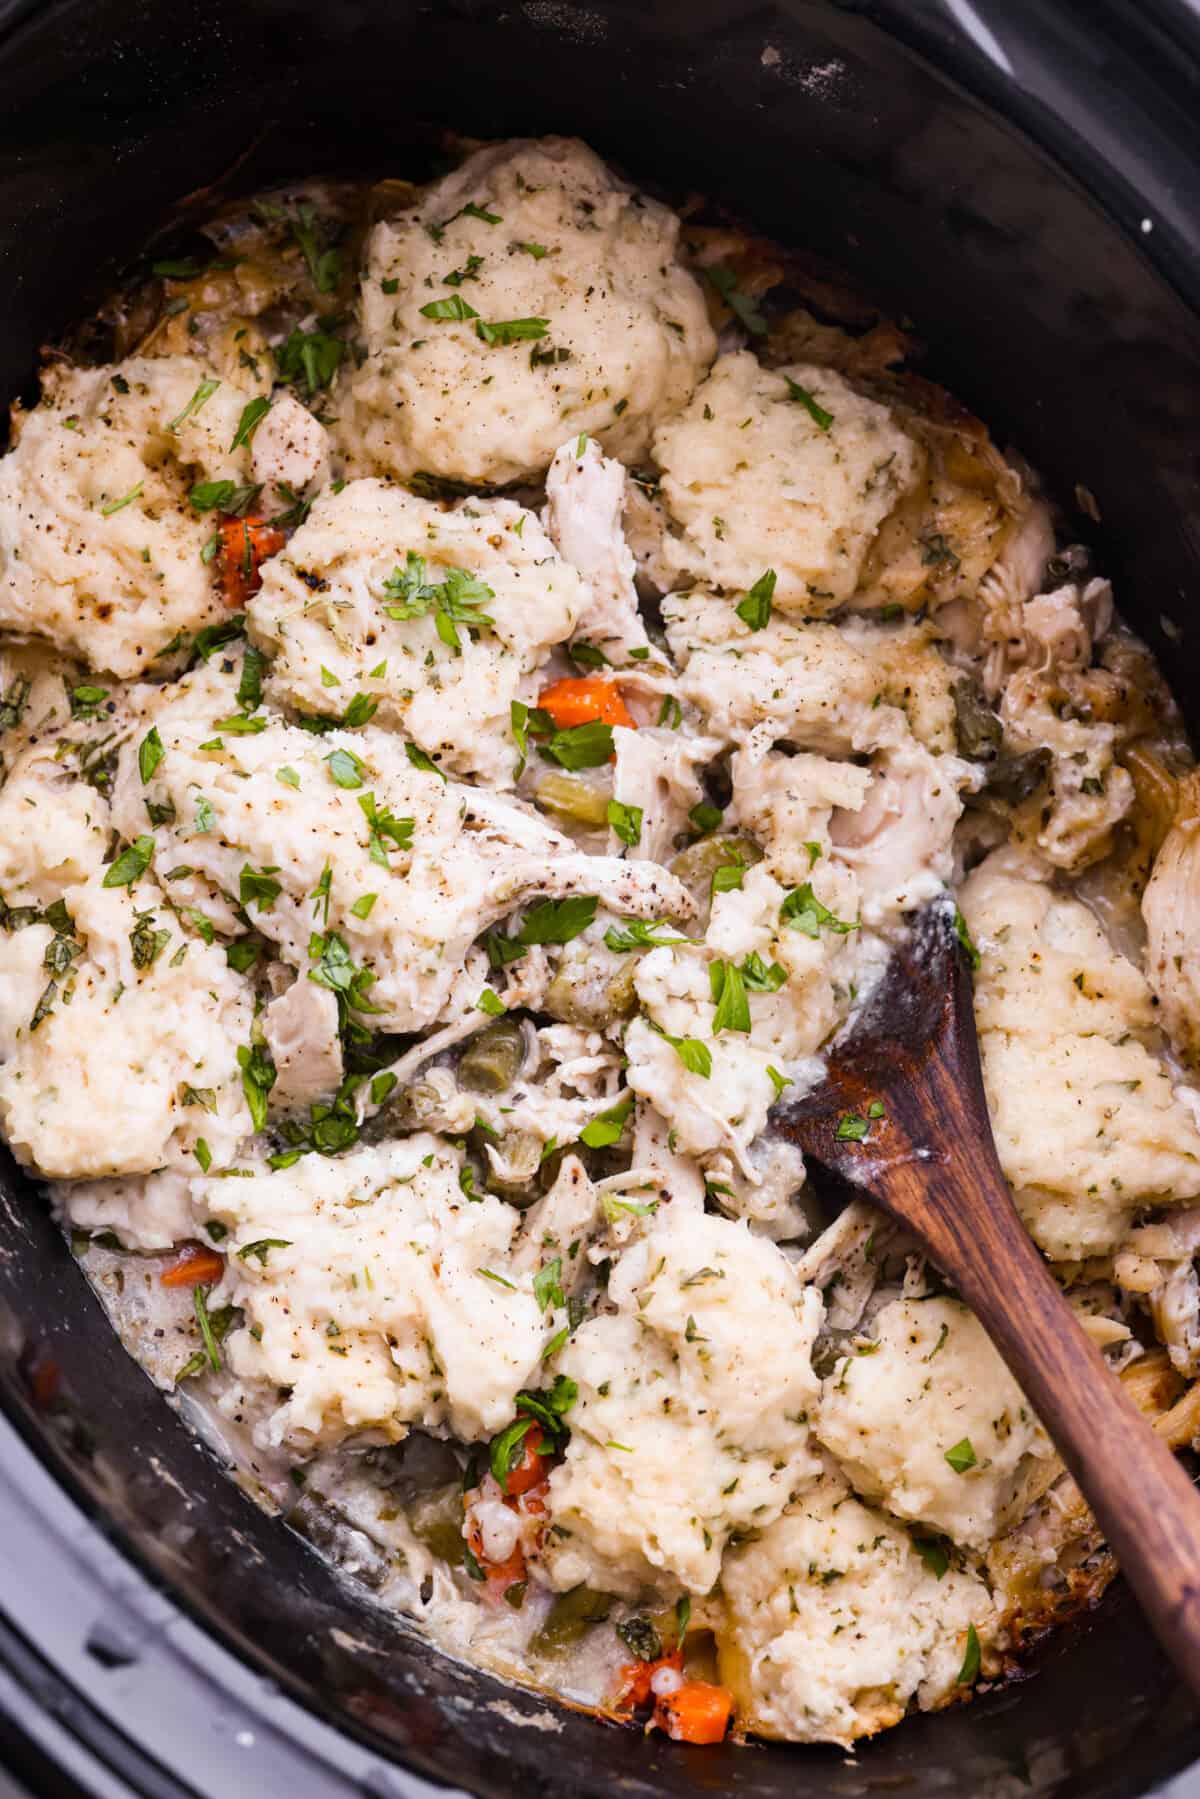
x=528, y=295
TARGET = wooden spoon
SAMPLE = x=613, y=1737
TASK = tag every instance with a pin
x=902, y=1119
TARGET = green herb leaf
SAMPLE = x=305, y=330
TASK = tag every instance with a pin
x=626, y=821
x=639, y=933
x=258, y=1078
x=310, y=359
x=253, y=414
x=150, y=754
x=258, y=886
x=125, y=500
x=557, y=921
x=852, y=1127
x=969, y=1672
x=508, y=1450
x=202, y=395
x=729, y=997
x=547, y=1285
x=609, y=1126
x=961, y=1456
x=509, y=331
x=131, y=864
x=580, y=746
x=755, y=609
x=261, y=1249
x=455, y=307
x=816, y=412
x=345, y=768
x=207, y=1336
x=491, y=1004
x=964, y=937
x=803, y=911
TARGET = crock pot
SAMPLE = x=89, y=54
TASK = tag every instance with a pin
x=1019, y=179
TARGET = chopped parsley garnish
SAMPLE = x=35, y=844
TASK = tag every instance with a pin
x=207, y=1334
x=852, y=1127
x=453, y=307
x=550, y=921
x=695, y=1056
x=491, y=1004
x=760, y=976
x=230, y=497
x=384, y=828
x=146, y=944
x=803, y=911
x=261, y=1249
x=345, y=768
x=732, y=1011
x=309, y=358
x=961, y=1456
x=609, y=1126
x=419, y=759
x=453, y=601
x=258, y=886
x=509, y=331
x=640, y=933
x=150, y=754
x=337, y=970
x=202, y=395
x=580, y=746
x=816, y=412
x=547, y=1285
x=969, y=1671
x=468, y=272
x=964, y=937
x=626, y=821
x=755, y=609
x=253, y=414
x=125, y=500
x=258, y=1078
x=131, y=864
x=778, y=1081
x=311, y=233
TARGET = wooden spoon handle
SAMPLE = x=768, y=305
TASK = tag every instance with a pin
x=1144, y=1501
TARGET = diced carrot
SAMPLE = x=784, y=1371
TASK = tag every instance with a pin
x=695, y=1713
x=533, y=1467
x=636, y=1690
x=196, y=1267
x=579, y=700
x=245, y=544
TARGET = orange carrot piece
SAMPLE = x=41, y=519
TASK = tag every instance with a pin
x=245, y=544
x=695, y=1713
x=197, y=1267
x=636, y=1690
x=579, y=700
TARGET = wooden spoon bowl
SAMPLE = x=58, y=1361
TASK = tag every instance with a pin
x=901, y=1119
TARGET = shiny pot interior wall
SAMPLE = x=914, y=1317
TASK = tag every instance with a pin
x=824, y=126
